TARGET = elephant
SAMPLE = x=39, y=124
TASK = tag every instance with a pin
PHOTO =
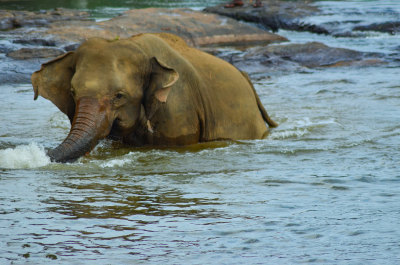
x=151, y=89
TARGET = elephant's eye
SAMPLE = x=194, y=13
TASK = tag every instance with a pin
x=119, y=96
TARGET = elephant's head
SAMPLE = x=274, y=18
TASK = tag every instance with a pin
x=104, y=87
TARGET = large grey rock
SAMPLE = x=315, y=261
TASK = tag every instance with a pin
x=316, y=54
x=299, y=57
x=197, y=28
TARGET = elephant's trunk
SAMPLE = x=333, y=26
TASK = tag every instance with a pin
x=90, y=124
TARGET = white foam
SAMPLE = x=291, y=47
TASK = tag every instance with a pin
x=280, y=135
x=120, y=161
x=299, y=128
x=115, y=163
x=307, y=123
x=24, y=156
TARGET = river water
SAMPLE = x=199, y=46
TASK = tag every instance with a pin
x=323, y=188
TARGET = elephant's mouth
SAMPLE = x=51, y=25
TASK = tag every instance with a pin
x=116, y=130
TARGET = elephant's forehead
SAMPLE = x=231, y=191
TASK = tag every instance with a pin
x=92, y=83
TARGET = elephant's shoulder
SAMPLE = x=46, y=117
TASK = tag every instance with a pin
x=171, y=39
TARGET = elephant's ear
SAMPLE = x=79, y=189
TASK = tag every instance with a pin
x=162, y=78
x=53, y=82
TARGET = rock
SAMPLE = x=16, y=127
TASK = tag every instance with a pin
x=254, y=61
x=300, y=57
x=301, y=15
x=36, y=42
x=16, y=19
x=44, y=18
x=392, y=27
x=197, y=28
x=67, y=29
x=29, y=53
x=6, y=20
x=6, y=47
x=71, y=47
x=316, y=54
x=274, y=15
x=18, y=71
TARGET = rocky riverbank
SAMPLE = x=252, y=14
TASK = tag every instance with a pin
x=39, y=36
x=28, y=39
x=274, y=15
x=294, y=15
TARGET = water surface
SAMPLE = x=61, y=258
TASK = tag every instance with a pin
x=104, y=8
x=323, y=188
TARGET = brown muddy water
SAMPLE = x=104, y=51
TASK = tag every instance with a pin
x=323, y=188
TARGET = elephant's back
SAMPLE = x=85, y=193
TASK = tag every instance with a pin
x=228, y=99
x=228, y=103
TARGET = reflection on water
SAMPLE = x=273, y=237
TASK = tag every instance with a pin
x=94, y=4
x=99, y=198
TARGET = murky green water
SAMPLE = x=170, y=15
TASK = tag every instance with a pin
x=322, y=188
x=104, y=8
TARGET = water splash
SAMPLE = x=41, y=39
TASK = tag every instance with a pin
x=281, y=135
x=117, y=162
x=24, y=156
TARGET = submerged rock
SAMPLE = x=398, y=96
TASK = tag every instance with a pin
x=18, y=71
x=316, y=54
x=36, y=42
x=391, y=27
x=300, y=57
